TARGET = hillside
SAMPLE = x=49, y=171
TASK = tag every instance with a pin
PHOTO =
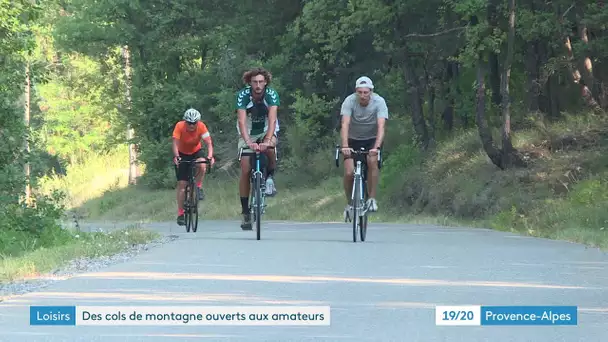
x=562, y=194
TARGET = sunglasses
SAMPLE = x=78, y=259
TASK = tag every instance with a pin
x=191, y=123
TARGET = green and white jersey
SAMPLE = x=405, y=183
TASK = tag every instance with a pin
x=257, y=112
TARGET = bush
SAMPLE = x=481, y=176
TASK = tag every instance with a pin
x=29, y=227
x=160, y=173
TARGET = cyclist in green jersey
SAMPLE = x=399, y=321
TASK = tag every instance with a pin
x=256, y=105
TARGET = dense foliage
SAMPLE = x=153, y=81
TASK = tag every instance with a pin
x=96, y=67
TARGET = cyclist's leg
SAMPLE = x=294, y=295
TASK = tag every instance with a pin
x=244, y=183
x=182, y=181
x=272, y=163
x=372, y=175
x=349, y=171
x=201, y=169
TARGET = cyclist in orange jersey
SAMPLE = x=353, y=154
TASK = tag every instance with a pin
x=187, y=136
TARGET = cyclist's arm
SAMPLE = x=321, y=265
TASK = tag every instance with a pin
x=209, y=143
x=272, y=122
x=175, y=150
x=382, y=116
x=206, y=137
x=345, y=112
x=176, y=137
x=380, y=134
x=344, y=130
x=242, y=117
x=241, y=111
x=274, y=101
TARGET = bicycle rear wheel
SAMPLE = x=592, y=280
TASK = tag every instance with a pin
x=258, y=204
x=194, y=208
x=187, y=205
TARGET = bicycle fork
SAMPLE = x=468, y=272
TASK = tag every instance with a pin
x=358, y=202
x=262, y=187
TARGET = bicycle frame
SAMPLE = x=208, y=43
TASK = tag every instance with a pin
x=359, y=183
x=255, y=172
x=191, y=204
x=360, y=174
x=257, y=201
x=359, y=190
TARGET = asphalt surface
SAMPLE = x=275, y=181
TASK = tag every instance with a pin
x=384, y=289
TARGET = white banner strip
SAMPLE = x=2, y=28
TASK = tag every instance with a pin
x=203, y=315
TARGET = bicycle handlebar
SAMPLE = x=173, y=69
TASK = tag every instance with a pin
x=205, y=161
x=362, y=151
x=241, y=151
x=267, y=147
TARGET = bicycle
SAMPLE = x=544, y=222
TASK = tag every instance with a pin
x=191, y=198
x=360, y=194
x=257, y=201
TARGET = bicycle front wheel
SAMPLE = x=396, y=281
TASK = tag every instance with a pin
x=355, y=205
x=194, y=208
x=258, y=204
x=187, y=205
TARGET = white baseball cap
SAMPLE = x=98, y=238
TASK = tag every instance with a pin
x=364, y=82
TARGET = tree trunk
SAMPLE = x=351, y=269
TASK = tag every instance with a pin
x=510, y=156
x=26, y=119
x=532, y=75
x=432, y=111
x=413, y=89
x=430, y=89
x=532, y=63
x=464, y=114
x=507, y=146
x=482, y=126
x=447, y=94
x=494, y=76
x=133, y=170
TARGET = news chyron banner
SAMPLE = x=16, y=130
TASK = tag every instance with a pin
x=180, y=315
x=471, y=315
x=476, y=315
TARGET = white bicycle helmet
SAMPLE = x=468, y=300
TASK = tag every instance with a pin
x=192, y=115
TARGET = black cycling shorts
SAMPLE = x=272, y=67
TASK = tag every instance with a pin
x=181, y=171
x=356, y=145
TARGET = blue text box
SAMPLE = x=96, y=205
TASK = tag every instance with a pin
x=529, y=315
x=52, y=315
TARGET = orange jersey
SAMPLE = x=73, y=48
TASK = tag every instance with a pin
x=189, y=142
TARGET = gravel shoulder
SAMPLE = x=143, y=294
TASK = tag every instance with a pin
x=78, y=266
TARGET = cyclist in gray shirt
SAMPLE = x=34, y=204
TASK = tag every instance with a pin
x=363, y=116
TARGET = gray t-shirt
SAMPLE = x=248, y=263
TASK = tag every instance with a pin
x=364, y=120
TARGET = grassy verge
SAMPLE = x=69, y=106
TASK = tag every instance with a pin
x=322, y=203
x=100, y=174
x=24, y=259
x=562, y=194
x=221, y=202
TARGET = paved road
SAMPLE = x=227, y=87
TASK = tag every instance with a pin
x=384, y=289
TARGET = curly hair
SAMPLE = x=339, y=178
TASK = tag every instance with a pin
x=248, y=75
